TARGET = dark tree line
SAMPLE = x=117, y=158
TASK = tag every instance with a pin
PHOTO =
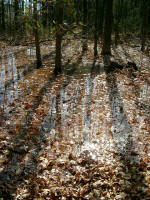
x=99, y=20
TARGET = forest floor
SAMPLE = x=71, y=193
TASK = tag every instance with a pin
x=84, y=134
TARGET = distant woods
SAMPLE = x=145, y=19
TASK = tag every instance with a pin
x=106, y=21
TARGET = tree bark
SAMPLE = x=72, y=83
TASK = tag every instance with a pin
x=3, y=16
x=36, y=35
x=117, y=19
x=76, y=2
x=106, y=49
x=16, y=13
x=144, y=28
x=59, y=36
x=96, y=29
x=101, y=17
x=44, y=13
x=85, y=46
x=23, y=23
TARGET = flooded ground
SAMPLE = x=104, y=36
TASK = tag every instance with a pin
x=81, y=135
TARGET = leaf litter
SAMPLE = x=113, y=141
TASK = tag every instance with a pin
x=81, y=135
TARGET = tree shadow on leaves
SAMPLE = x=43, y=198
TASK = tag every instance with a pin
x=130, y=74
x=132, y=165
x=15, y=171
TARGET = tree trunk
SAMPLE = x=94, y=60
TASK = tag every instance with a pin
x=144, y=29
x=96, y=29
x=44, y=13
x=117, y=19
x=36, y=35
x=116, y=34
x=59, y=35
x=3, y=16
x=76, y=2
x=84, y=47
x=101, y=17
x=106, y=49
x=23, y=23
x=9, y=13
x=16, y=13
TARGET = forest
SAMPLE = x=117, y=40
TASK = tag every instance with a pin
x=74, y=100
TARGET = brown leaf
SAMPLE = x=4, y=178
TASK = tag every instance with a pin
x=27, y=106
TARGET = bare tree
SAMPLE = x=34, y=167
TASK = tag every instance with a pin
x=106, y=49
x=85, y=13
x=96, y=29
x=59, y=36
x=36, y=35
x=3, y=16
x=144, y=28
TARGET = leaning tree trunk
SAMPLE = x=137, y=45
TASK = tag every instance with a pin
x=106, y=49
x=59, y=36
x=36, y=35
x=144, y=28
